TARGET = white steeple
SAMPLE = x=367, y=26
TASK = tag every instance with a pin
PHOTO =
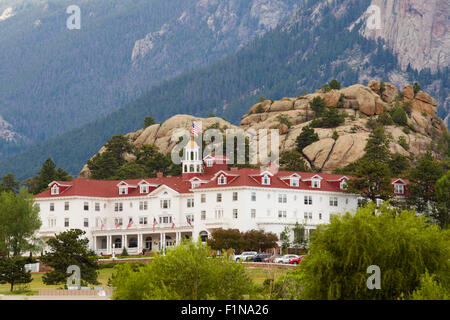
x=192, y=159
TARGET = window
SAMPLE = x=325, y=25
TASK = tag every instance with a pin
x=222, y=180
x=235, y=196
x=265, y=180
x=235, y=213
x=118, y=206
x=66, y=222
x=343, y=184
x=209, y=163
x=52, y=222
x=143, y=220
x=165, y=204
x=399, y=188
x=219, y=197
x=282, y=214
x=333, y=201
x=295, y=182
x=203, y=198
x=143, y=205
x=315, y=183
x=346, y=200
x=52, y=207
x=320, y=216
x=282, y=198
x=308, y=200
x=308, y=215
x=218, y=214
x=253, y=196
x=253, y=213
x=190, y=203
x=97, y=206
x=86, y=206
x=118, y=222
x=361, y=202
x=203, y=215
x=86, y=223
x=66, y=206
x=55, y=189
x=123, y=190
x=165, y=219
x=144, y=189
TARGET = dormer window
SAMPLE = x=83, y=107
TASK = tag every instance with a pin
x=123, y=190
x=55, y=190
x=315, y=183
x=399, y=188
x=222, y=180
x=144, y=189
x=265, y=180
x=209, y=163
x=343, y=184
x=295, y=182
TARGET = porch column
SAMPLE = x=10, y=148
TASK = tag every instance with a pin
x=125, y=237
x=95, y=244
x=108, y=244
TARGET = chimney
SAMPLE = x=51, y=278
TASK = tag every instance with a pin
x=159, y=175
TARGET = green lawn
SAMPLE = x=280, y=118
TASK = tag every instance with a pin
x=257, y=274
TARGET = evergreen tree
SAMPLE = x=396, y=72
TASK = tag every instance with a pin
x=103, y=166
x=335, y=85
x=442, y=190
x=305, y=138
x=318, y=106
x=12, y=271
x=47, y=174
x=422, y=180
x=66, y=249
x=118, y=145
x=149, y=121
x=293, y=161
x=9, y=183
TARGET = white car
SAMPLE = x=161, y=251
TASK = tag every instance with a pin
x=286, y=258
x=245, y=255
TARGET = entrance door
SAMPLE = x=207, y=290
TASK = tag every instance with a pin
x=148, y=243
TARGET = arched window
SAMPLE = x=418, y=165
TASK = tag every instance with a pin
x=204, y=236
x=266, y=180
x=192, y=155
x=55, y=189
x=191, y=168
x=222, y=180
x=118, y=243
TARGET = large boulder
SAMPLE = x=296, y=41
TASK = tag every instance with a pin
x=408, y=92
x=331, y=98
x=369, y=102
x=389, y=93
x=284, y=105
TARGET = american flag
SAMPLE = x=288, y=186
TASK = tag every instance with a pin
x=154, y=223
x=173, y=224
x=117, y=224
x=103, y=223
x=195, y=128
x=130, y=223
x=189, y=221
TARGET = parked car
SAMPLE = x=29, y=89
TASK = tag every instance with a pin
x=259, y=257
x=278, y=259
x=296, y=260
x=272, y=258
x=287, y=257
x=245, y=255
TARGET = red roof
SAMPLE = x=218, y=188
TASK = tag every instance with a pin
x=235, y=178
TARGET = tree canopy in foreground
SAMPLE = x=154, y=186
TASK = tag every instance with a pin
x=187, y=272
x=404, y=246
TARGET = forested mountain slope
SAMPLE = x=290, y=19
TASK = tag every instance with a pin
x=315, y=46
x=53, y=79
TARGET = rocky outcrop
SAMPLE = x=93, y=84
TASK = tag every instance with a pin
x=290, y=115
x=417, y=31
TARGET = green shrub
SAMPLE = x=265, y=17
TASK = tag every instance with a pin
x=306, y=137
x=259, y=109
x=283, y=119
x=406, y=130
x=124, y=252
x=318, y=106
x=399, y=116
x=408, y=107
x=402, y=141
x=335, y=135
x=385, y=119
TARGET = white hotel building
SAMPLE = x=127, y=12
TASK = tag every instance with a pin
x=117, y=214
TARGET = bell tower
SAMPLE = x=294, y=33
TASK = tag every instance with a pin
x=192, y=159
